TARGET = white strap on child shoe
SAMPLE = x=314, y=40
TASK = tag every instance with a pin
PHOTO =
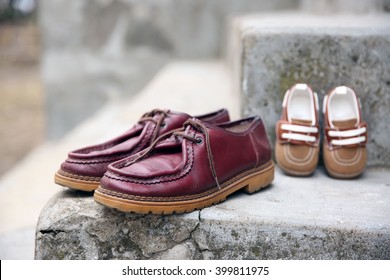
x=301, y=129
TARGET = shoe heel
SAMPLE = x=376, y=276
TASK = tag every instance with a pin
x=260, y=180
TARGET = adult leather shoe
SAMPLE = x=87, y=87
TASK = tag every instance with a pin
x=190, y=168
x=83, y=168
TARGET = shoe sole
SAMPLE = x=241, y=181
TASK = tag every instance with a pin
x=296, y=173
x=75, y=182
x=343, y=175
x=250, y=183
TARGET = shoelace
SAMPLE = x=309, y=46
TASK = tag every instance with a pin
x=149, y=116
x=181, y=132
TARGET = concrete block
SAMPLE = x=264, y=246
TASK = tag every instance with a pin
x=97, y=50
x=75, y=227
x=271, y=52
x=295, y=218
x=343, y=6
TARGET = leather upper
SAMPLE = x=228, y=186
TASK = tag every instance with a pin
x=356, y=125
x=345, y=134
x=93, y=160
x=199, y=158
x=298, y=132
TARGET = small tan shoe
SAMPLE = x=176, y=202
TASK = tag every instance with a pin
x=345, y=134
x=297, y=132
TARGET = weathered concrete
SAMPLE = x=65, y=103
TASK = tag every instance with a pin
x=295, y=218
x=98, y=50
x=343, y=6
x=103, y=233
x=271, y=52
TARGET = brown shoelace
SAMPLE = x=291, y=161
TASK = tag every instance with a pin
x=181, y=132
x=149, y=116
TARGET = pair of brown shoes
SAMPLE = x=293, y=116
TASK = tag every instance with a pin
x=171, y=162
x=297, y=144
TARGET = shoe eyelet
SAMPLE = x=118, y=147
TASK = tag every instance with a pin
x=163, y=125
x=199, y=140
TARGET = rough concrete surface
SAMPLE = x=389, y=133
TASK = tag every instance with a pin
x=103, y=233
x=343, y=6
x=272, y=52
x=295, y=218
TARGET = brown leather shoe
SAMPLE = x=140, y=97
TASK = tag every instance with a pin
x=345, y=135
x=84, y=167
x=190, y=168
x=297, y=132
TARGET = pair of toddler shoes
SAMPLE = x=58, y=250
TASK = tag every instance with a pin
x=297, y=146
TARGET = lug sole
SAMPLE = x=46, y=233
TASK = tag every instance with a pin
x=75, y=184
x=251, y=183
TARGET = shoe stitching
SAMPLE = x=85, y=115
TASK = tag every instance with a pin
x=106, y=160
x=146, y=117
x=186, y=197
x=301, y=162
x=146, y=138
x=137, y=149
x=350, y=162
x=160, y=179
x=112, y=158
x=79, y=177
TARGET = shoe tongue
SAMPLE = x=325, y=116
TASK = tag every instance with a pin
x=301, y=122
x=344, y=124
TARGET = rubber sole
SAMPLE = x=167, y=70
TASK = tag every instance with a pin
x=342, y=175
x=297, y=173
x=60, y=178
x=250, y=183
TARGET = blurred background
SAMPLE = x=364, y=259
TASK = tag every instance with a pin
x=21, y=96
x=61, y=61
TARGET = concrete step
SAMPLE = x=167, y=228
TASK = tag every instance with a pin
x=191, y=86
x=344, y=6
x=269, y=53
x=295, y=218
